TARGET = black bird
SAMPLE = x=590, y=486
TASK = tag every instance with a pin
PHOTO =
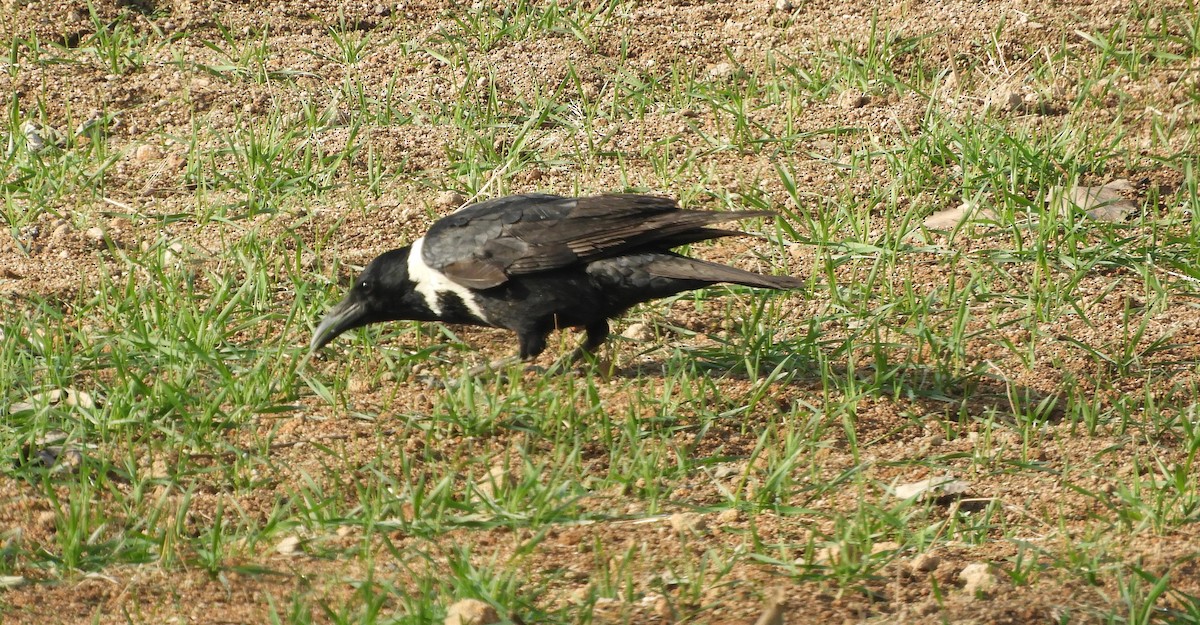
x=533, y=263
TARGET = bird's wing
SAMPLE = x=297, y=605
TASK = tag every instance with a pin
x=482, y=246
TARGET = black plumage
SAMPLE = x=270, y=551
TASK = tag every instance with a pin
x=534, y=263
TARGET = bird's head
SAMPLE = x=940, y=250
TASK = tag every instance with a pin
x=382, y=292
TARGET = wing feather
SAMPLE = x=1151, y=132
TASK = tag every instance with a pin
x=483, y=245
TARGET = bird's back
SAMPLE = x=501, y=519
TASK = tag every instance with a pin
x=484, y=245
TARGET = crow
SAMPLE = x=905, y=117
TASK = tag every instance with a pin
x=536, y=262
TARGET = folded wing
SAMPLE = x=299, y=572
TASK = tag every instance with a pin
x=482, y=246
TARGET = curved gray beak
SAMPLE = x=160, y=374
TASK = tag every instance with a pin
x=346, y=315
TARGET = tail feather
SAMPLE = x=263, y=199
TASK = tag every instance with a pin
x=684, y=268
x=696, y=236
x=682, y=227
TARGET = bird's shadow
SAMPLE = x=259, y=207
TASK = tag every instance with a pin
x=975, y=391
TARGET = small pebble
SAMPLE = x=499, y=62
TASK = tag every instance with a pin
x=853, y=99
x=450, y=199
x=726, y=469
x=638, y=332
x=33, y=136
x=358, y=386
x=145, y=153
x=1016, y=102
x=471, y=612
x=81, y=399
x=288, y=546
x=12, y=581
x=979, y=578
x=925, y=562
x=720, y=70
x=172, y=253
x=686, y=522
x=831, y=554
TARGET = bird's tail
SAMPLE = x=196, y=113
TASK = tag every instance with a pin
x=682, y=227
x=684, y=268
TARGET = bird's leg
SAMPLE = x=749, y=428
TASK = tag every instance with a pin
x=532, y=342
x=596, y=334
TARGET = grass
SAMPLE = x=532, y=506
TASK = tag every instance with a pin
x=1039, y=350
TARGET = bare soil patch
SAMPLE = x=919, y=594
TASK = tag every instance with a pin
x=156, y=105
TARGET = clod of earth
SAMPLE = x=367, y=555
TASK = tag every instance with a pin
x=979, y=579
x=925, y=562
x=688, y=523
x=638, y=332
x=471, y=612
x=450, y=199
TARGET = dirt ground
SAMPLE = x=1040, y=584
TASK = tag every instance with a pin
x=160, y=102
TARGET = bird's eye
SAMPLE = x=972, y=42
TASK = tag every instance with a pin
x=366, y=286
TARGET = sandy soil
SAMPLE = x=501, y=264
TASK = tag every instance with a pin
x=159, y=102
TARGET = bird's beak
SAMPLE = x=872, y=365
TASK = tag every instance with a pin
x=350, y=313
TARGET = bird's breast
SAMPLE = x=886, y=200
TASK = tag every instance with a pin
x=452, y=308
